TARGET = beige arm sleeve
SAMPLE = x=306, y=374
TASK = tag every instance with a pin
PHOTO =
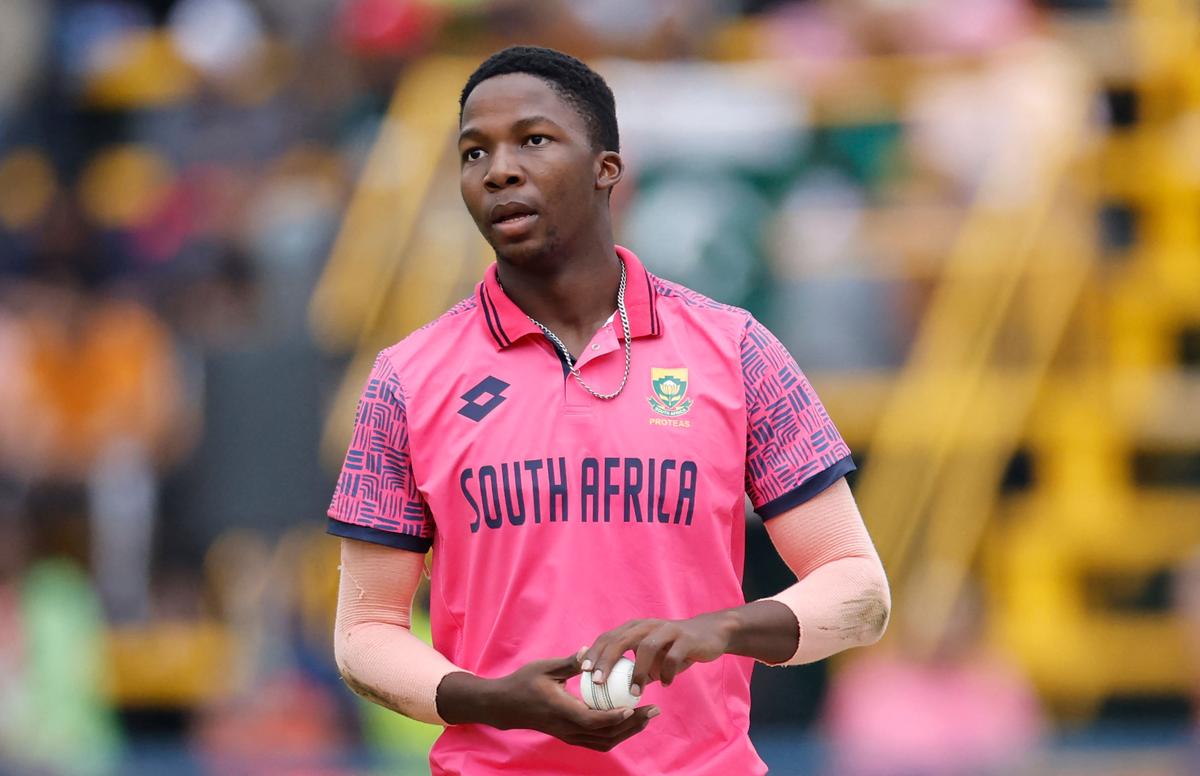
x=377, y=654
x=841, y=598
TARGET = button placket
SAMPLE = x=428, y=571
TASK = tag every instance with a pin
x=603, y=342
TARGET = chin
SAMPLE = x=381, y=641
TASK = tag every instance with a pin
x=529, y=254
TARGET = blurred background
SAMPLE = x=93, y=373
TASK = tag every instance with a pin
x=976, y=223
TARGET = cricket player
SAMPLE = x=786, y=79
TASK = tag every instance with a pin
x=575, y=441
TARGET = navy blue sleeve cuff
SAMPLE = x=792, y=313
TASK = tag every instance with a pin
x=366, y=533
x=807, y=489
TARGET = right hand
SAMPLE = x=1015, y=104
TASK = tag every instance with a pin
x=535, y=697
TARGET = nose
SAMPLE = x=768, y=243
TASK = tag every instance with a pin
x=503, y=171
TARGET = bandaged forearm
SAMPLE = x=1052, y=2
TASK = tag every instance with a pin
x=377, y=654
x=841, y=598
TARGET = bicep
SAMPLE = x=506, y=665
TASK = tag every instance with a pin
x=377, y=583
x=823, y=529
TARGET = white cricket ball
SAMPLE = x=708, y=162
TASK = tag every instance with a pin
x=614, y=692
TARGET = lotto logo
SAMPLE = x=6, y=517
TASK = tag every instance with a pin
x=486, y=396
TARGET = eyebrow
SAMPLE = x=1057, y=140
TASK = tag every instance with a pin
x=518, y=125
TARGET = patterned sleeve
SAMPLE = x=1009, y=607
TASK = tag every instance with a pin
x=376, y=498
x=793, y=450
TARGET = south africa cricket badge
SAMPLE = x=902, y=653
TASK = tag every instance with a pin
x=670, y=391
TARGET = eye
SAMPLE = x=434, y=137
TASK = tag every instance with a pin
x=472, y=155
x=538, y=140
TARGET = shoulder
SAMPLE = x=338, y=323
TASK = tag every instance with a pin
x=409, y=358
x=692, y=307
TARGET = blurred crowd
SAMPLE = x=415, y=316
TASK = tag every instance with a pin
x=172, y=176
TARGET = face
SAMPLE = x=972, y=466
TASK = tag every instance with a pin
x=531, y=178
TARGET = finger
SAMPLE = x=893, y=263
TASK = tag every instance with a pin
x=606, y=739
x=590, y=742
x=641, y=715
x=588, y=720
x=586, y=742
x=674, y=663
x=650, y=653
x=570, y=708
x=631, y=732
x=613, y=648
x=594, y=651
x=598, y=744
x=561, y=668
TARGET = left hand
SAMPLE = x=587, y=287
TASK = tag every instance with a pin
x=664, y=648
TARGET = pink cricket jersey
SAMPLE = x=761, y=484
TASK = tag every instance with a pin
x=555, y=516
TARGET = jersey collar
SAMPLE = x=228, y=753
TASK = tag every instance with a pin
x=506, y=323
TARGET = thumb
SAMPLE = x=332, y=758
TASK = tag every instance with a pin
x=563, y=668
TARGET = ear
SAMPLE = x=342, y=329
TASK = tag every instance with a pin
x=609, y=170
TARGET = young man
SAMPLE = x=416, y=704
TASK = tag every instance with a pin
x=575, y=442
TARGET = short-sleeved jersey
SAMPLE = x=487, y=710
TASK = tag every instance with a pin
x=555, y=515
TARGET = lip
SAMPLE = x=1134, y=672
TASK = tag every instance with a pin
x=514, y=218
x=515, y=227
x=511, y=208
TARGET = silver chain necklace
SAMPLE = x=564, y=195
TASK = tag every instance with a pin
x=567, y=354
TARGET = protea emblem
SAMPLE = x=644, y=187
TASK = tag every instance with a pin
x=670, y=391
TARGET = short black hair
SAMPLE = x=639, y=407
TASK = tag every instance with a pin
x=574, y=81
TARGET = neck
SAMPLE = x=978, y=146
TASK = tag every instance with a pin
x=574, y=297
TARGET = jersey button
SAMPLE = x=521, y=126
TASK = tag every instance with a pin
x=595, y=346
